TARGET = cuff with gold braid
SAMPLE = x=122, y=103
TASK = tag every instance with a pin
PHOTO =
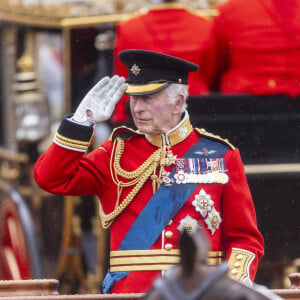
x=152, y=260
x=239, y=264
x=73, y=136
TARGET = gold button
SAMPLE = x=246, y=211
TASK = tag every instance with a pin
x=234, y=271
x=272, y=83
x=169, y=234
x=168, y=246
x=237, y=264
x=239, y=257
x=170, y=222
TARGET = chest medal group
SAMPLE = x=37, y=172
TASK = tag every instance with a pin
x=198, y=170
x=187, y=171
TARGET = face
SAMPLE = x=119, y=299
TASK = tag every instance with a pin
x=153, y=114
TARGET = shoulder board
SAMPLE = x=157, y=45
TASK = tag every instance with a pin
x=203, y=132
x=123, y=132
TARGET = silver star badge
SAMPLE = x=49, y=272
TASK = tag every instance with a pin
x=135, y=70
x=189, y=224
x=213, y=220
x=203, y=203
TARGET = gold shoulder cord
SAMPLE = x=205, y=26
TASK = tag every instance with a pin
x=138, y=176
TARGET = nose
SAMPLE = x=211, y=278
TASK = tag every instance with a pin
x=137, y=104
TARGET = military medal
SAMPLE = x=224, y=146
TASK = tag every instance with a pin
x=171, y=158
x=180, y=177
x=201, y=170
x=165, y=179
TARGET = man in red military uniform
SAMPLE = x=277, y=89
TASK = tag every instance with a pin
x=157, y=181
x=257, y=47
x=168, y=28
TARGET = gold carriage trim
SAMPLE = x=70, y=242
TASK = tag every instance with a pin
x=239, y=264
x=152, y=260
x=70, y=143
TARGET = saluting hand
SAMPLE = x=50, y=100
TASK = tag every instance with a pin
x=99, y=103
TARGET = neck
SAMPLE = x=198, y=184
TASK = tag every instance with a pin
x=174, y=136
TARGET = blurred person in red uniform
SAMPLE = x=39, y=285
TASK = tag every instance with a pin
x=154, y=182
x=257, y=47
x=169, y=28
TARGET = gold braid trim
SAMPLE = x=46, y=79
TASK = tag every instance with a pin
x=155, y=157
x=239, y=264
x=202, y=131
x=139, y=176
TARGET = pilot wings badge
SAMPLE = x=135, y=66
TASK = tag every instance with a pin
x=205, y=152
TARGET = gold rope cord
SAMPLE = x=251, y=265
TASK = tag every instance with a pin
x=139, y=176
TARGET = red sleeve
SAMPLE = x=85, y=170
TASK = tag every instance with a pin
x=239, y=226
x=67, y=172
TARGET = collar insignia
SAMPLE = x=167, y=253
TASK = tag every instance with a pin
x=173, y=137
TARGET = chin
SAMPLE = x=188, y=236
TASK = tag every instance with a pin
x=144, y=130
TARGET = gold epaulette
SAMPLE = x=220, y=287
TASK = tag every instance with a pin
x=203, y=132
x=125, y=131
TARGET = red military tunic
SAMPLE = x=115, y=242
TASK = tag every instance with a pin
x=257, y=47
x=230, y=222
x=169, y=29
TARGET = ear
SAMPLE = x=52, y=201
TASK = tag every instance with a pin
x=178, y=104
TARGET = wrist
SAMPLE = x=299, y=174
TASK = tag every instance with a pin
x=85, y=122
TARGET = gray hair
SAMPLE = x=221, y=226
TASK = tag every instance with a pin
x=176, y=89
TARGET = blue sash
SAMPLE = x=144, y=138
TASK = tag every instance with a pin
x=161, y=208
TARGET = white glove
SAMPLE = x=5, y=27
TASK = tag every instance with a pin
x=99, y=103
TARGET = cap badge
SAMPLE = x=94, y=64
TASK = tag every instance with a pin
x=135, y=69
